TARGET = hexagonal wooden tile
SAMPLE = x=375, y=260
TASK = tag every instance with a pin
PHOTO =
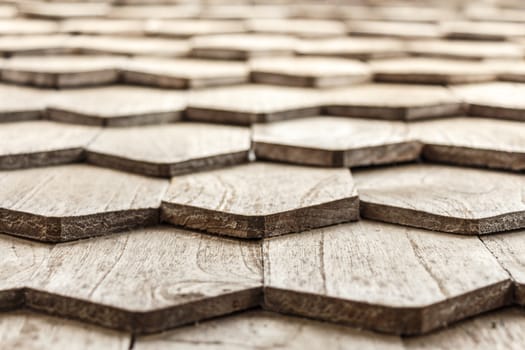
x=404, y=30
x=431, y=71
x=117, y=105
x=309, y=71
x=494, y=100
x=333, y=141
x=443, y=198
x=259, y=200
x=188, y=28
x=40, y=143
x=184, y=73
x=265, y=330
x=352, y=47
x=62, y=10
x=68, y=202
x=303, y=28
x=248, y=104
x=21, y=103
x=141, y=281
x=27, y=330
x=382, y=277
x=473, y=141
x=495, y=31
x=171, y=149
x=392, y=102
x=20, y=26
x=103, y=26
x=473, y=50
x=61, y=71
x=242, y=46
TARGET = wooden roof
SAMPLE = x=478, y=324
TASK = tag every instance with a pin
x=248, y=174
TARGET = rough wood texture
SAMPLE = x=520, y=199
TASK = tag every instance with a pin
x=494, y=100
x=172, y=149
x=142, y=281
x=242, y=46
x=309, y=71
x=69, y=202
x=188, y=28
x=473, y=141
x=117, y=106
x=443, y=198
x=61, y=71
x=41, y=143
x=392, y=102
x=184, y=73
x=264, y=330
x=458, y=49
x=20, y=26
x=248, y=104
x=303, y=28
x=404, y=30
x=430, y=71
x=352, y=47
x=21, y=103
x=421, y=280
x=101, y=26
x=25, y=330
x=261, y=200
x=332, y=141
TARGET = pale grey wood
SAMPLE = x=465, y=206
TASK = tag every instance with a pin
x=352, y=47
x=154, y=11
x=188, y=28
x=382, y=277
x=254, y=103
x=61, y=71
x=494, y=100
x=404, y=30
x=468, y=30
x=443, y=198
x=334, y=141
x=21, y=103
x=303, y=28
x=392, y=101
x=264, y=330
x=183, y=73
x=62, y=10
x=41, y=143
x=309, y=71
x=25, y=330
x=261, y=199
x=20, y=26
x=147, y=280
x=117, y=105
x=473, y=141
x=172, y=149
x=242, y=46
x=102, y=26
x=68, y=202
x=431, y=71
x=460, y=49
x=498, y=330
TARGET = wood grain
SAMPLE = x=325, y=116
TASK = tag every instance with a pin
x=20, y=103
x=62, y=10
x=50, y=44
x=261, y=200
x=404, y=30
x=443, y=198
x=184, y=73
x=352, y=47
x=41, y=143
x=187, y=28
x=309, y=71
x=117, y=105
x=248, y=104
x=473, y=141
x=25, y=330
x=460, y=49
x=382, y=277
x=172, y=149
x=64, y=203
x=333, y=141
x=153, y=11
x=491, y=31
x=494, y=100
x=303, y=28
x=392, y=102
x=264, y=330
x=20, y=26
x=103, y=26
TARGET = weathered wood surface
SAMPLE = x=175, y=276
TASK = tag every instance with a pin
x=171, y=149
x=352, y=47
x=21, y=26
x=443, y=198
x=494, y=100
x=188, y=28
x=62, y=10
x=460, y=49
x=309, y=71
x=335, y=141
x=103, y=26
x=117, y=105
x=473, y=141
x=51, y=44
x=184, y=73
x=248, y=104
x=41, y=143
x=383, y=277
x=261, y=199
x=264, y=330
x=508, y=70
x=232, y=10
x=155, y=11
x=21, y=103
x=403, y=30
x=495, y=31
x=392, y=102
x=26, y=330
x=68, y=202
x=303, y=28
